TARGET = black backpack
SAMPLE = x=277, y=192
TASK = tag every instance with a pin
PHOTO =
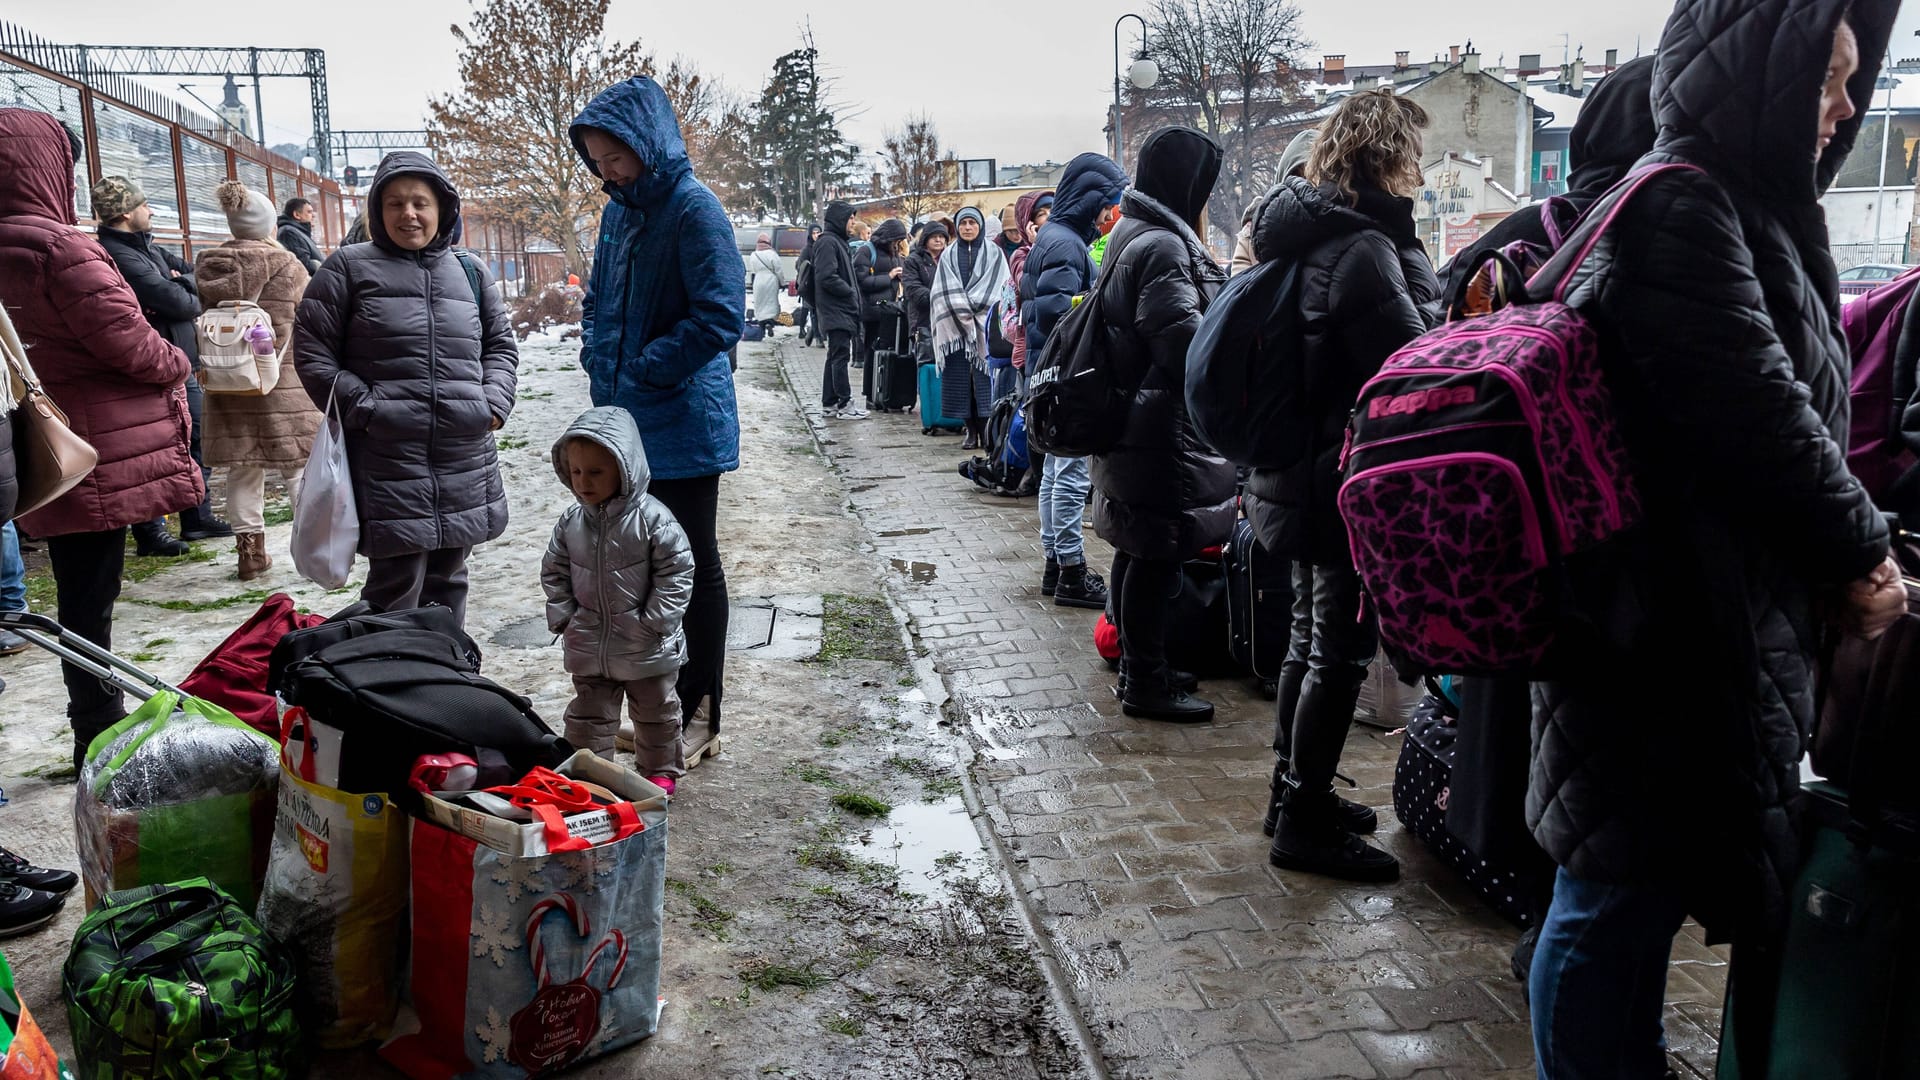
x=1073, y=407
x=358, y=620
x=398, y=694
x=1246, y=388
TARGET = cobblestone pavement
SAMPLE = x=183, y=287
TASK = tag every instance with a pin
x=1139, y=844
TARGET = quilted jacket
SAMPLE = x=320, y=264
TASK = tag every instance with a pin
x=1161, y=493
x=275, y=431
x=1058, y=266
x=663, y=305
x=1366, y=288
x=618, y=575
x=1718, y=307
x=121, y=384
x=917, y=281
x=419, y=374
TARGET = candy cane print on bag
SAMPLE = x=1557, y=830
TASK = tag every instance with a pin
x=560, y=1023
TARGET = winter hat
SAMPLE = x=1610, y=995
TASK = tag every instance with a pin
x=973, y=212
x=249, y=214
x=114, y=197
x=764, y=240
x=1044, y=202
x=1010, y=220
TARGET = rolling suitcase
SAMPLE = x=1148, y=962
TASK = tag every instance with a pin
x=894, y=371
x=931, y=418
x=1259, y=605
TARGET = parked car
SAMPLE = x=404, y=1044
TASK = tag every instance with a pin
x=1863, y=279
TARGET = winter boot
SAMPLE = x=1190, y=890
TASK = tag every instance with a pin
x=198, y=523
x=1155, y=699
x=1355, y=817
x=254, y=560
x=19, y=871
x=1311, y=838
x=1050, y=578
x=1080, y=587
x=152, y=540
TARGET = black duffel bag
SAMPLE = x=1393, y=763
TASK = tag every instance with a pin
x=398, y=694
x=358, y=620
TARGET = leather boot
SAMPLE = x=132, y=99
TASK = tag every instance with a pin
x=1310, y=838
x=252, y=549
x=1355, y=817
x=1156, y=699
x=152, y=540
x=1080, y=587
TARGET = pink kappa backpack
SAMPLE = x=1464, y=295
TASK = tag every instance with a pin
x=1482, y=455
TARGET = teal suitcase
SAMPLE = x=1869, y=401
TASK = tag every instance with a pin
x=931, y=418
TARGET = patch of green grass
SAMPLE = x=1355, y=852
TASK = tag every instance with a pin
x=159, y=641
x=720, y=869
x=279, y=514
x=861, y=804
x=908, y=680
x=936, y=781
x=948, y=861
x=251, y=596
x=535, y=395
x=510, y=442
x=859, y=628
x=843, y=1025
x=864, y=958
x=828, y=857
x=59, y=772
x=836, y=736
x=808, y=773
x=942, y=787
x=766, y=977
x=825, y=890
x=707, y=915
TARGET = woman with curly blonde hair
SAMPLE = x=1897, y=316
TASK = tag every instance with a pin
x=1365, y=289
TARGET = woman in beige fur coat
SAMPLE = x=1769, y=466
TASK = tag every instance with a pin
x=252, y=435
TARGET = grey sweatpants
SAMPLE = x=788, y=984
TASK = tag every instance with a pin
x=593, y=719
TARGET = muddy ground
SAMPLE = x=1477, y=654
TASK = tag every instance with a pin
x=832, y=912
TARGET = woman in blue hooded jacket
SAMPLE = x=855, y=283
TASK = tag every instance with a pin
x=662, y=310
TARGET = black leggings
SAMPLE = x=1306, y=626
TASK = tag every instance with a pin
x=696, y=503
x=86, y=581
x=1143, y=592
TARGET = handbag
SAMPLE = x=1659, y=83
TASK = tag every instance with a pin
x=49, y=458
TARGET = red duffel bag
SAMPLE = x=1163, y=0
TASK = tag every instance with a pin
x=234, y=675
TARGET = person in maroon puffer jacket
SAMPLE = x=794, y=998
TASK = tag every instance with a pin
x=122, y=386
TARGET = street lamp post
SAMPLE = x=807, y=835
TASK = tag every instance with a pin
x=1142, y=74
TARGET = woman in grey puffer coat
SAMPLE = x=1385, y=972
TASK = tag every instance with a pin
x=420, y=363
x=618, y=576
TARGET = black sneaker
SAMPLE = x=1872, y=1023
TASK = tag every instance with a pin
x=1169, y=705
x=1309, y=838
x=202, y=525
x=19, y=871
x=151, y=540
x=1354, y=817
x=23, y=909
x=1080, y=587
x=1050, y=578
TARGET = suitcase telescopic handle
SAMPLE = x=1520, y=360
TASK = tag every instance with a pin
x=85, y=655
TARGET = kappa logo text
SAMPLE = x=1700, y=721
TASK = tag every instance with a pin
x=1421, y=401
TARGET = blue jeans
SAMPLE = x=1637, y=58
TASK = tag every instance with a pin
x=1599, y=977
x=13, y=572
x=1064, y=483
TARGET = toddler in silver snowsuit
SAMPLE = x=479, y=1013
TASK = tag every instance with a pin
x=618, y=575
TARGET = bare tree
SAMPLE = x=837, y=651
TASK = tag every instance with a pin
x=717, y=128
x=915, y=169
x=1227, y=68
x=527, y=68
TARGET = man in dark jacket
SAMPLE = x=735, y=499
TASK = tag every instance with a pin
x=1058, y=269
x=1160, y=495
x=663, y=308
x=1662, y=776
x=296, y=233
x=164, y=285
x=836, y=309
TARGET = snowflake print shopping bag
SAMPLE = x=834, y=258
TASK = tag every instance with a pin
x=524, y=966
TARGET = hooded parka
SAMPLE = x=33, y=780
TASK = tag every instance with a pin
x=418, y=373
x=618, y=576
x=1718, y=304
x=836, y=298
x=1058, y=267
x=663, y=306
x=1365, y=289
x=1160, y=493
x=121, y=384
x=922, y=264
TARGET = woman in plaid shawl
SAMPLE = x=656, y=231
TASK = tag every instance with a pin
x=967, y=281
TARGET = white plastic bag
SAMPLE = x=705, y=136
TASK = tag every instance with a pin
x=326, y=522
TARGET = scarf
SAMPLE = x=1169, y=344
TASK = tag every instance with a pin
x=962, y=296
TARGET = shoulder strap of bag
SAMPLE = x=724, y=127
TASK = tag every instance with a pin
x=1590, y=228
x=472, y=266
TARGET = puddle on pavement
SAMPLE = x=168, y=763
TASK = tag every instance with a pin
x=922, y=531
x=929, y=843
x=1005, y=735
x=528, y=633
x=919, y=572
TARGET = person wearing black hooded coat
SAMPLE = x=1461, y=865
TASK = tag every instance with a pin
x=1160, y=495
x=879, y=271
x=1365, y=288
x=836, y=308
x=1662, y=776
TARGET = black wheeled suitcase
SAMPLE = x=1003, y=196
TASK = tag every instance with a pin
x=1259, y=604
x=895, y=373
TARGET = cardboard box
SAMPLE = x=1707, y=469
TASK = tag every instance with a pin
x=529, y=839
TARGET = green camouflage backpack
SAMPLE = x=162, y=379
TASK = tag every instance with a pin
x=177, y=982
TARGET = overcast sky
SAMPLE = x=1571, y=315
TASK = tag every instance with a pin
x=1019, y=80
